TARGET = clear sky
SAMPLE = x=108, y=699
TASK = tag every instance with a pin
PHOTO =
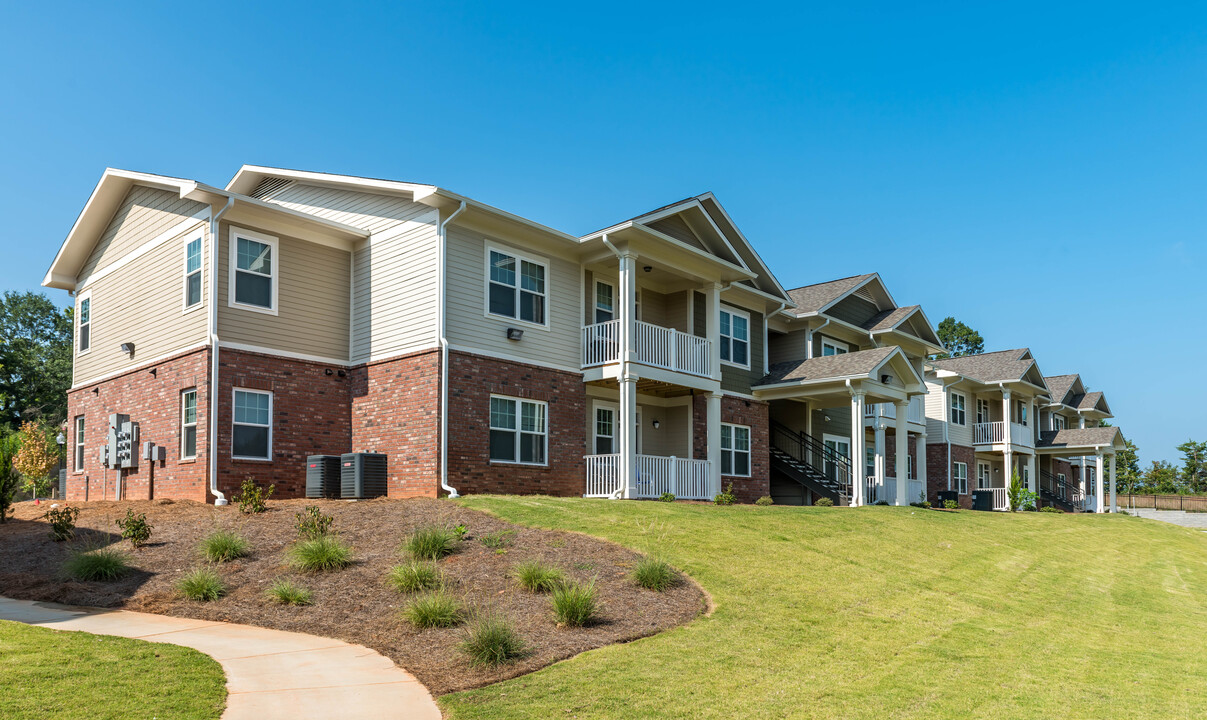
x=1036, y=170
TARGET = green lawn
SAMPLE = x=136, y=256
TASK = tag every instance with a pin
x=887, y=613
x=67, y=675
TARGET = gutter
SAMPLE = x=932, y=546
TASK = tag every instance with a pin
x=809, y=347
x=440, y=322
x=215, y=241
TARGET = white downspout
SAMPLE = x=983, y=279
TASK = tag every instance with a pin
x=809, y=338
x=440, y=315
x=219, y=498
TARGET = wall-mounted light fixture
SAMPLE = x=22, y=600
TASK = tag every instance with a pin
x=827, y=417
x=128, y=348
x=328, y=372
x=515, y=334
x=341, y=373
x=886, y=379
x=648, y=268
x=656, y=424
x=154, y=372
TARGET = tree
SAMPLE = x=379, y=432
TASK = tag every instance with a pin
x=37, y=458
x=1162, y=479
x=959, y=339
x=9, y=479
x=1194, y=464
x=35, y=359
x=1127, y=465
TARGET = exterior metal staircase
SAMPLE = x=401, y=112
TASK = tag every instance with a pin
x=1060, y=493
x=808, y=461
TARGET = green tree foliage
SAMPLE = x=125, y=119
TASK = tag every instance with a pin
x=1127, y=464
x=37, y=457
x=1194, y=465
x=959, y=339
x=10, y=444
x=1162, y=479
x=35, y=359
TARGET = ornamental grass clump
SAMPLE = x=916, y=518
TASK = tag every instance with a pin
x=823, y=502
x=434, y=609
x=535, y=576
x=321, y=554
x=414, y=577
x=105, y=564
x=202, y=585
x=654, y=574
x=431, y=543
x=223, y=546
x=286, y=592
x=490, y=641
x=575, y=604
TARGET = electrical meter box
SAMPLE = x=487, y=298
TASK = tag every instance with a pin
x=123, y=442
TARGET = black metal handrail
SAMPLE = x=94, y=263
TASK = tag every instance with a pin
x=808, y=450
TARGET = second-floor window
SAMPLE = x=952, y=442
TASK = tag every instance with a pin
x=192, y=272
x=1022, y=412
x=735, y=450
x=959, y=476
x=605, y=302
x=735, y=337
x=85, y=323
x=254, y=264
x=982, y=411
x=830, y=346
x=1058, y=422
x=959, y=410
x=516, y=288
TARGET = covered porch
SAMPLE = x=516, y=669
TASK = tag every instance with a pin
x=1093, y=450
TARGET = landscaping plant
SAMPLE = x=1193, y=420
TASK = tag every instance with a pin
x=434, y=609
x=135, y=528
x=727, y=497
x=654, y=574
x=764, y=501
x=490, y=641
x=108, y=563
x=951, y=505
x=415, y=576
x=460, y=531
x=285, y=592
x=498, y=540
x=223, y=546
x=251, y=498
x=312, y=523
x=823, y=502
x=202, y=585
x=1019, y=497
x=666, y=497
x=321, y=554
x=37, y=457
x=62, y=522
x=535, y=576
x=1052, y=509
x=574, y=604
x=430, y=543
x=9, y=478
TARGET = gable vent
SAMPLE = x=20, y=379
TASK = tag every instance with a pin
x=866, y=294
x=269, y=187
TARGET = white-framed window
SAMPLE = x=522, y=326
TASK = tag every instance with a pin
x=983, y=477
x=1058, y=422
x=254, y=271
x=909, y=466
x=830, y=346
x=515, y=287
x=605, y=301
x=1060, y=478
x=735, y=450
x=869, y=461
x=251, y=437
x=84, y=323
x=188, y=424
x=982, y=410
x=959, y=476
x=1022, y=412
x=959, y=411
x=605, y=430
x=519, y=430
x=735, y=337
x=78, y=466
x=192, y=271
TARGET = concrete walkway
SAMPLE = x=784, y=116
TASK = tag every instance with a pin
x=269, y=673
x=1197, y=521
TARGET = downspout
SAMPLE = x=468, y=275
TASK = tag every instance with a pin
x=219, y=498
x=440, y=315
x=809, y=347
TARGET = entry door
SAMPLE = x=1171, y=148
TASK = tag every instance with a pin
x=841, y=447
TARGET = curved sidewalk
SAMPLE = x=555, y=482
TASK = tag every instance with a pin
x=269, y=673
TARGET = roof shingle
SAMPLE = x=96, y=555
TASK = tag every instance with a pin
x=1077, y=437
x=812, y=298
x=827, y=367
x=989, y=367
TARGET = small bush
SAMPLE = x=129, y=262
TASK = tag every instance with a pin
x=654, y=574
x=414, y=577
x=1051, y=509
x=727, y=497
x=434, y=609
x=823, y=502
x=202, y=585
x=135, y=528
x=430, y=543
x=666, y=497
x=574, y=604
x=925, y=504
x=535, y=576
x=461, y=531
x=764, y=501
x=223, y=546
x=253, y=499
x=951, y=504
x=490, y=641
x=498, y=540
x=312, y=523
x=881, y=502
x=62, y=522
x=108, y=563
x=285, y=592
x=321, y=554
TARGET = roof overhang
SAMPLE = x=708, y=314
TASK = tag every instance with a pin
x=653, y=246
x=836, y=387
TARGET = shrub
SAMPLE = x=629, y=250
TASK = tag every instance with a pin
x=535, y=576
x=490, y=640
x=460, y=531
x=62, y=522
x=666, y=497
x=414, y=577
x=286, y=592
x=654, y=574
x=9, y=478
x=498, y=540
x=434, y=609
x=1051, y=509
x=881, y=502
x=727, y=497
x=430, y=543
x=312, y=523
x=135, y=528
x=108, y=563
x=574, y=604
x=925, y=504
x=223, y=546
x=252, y=498
x=202, y=585
x=321, y=554
x=764, y=501
x=823, y=502
x=951, y=504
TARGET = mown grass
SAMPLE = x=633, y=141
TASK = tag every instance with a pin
x=885, y=612
x=80, y=676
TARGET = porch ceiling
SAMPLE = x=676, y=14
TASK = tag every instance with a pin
x=648, y=387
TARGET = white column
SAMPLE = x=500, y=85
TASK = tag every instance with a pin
x=713, y=420
x=920, y=463
x=1114, y=500
x=628, y=431
x=1081, y=482
x=712, y=307
x=808, y=418
x=878, y=454
x=903, y=454
x=1098, y=499
x=1006, y=421
x=1033, y=477
x=858, y=471
x=1008, y=466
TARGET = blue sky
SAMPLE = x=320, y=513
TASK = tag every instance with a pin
x=1037, y=172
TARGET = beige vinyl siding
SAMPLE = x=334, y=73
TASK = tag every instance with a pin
x=854, y=310
x=467, y=325
x=962, y=434
x=365, y=210
x=143, y=215
x=142, y=303
x=671, y=436
x=312, y=303
x=936, y=412
x=676, y=311
x=676, y=227
x=738, y=379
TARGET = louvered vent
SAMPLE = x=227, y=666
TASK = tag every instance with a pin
x=269, y=187
x=865, y=293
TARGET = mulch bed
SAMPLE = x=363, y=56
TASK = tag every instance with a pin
x=355, y=604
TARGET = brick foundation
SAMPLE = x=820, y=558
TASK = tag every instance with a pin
x=938, y=470
x=739, y=411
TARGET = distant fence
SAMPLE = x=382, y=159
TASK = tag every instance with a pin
x=1164, y=502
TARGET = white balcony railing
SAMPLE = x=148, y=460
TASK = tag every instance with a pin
x=987, y=433
x=652, y=344
x=1021, y=435
x=917, y=412
x=1000, y=499
x=888, y=491
x=684, y=478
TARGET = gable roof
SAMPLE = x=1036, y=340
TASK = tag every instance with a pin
x=814, y=298
x=1089, y=438
x=827, y=367
x=1060, y=385
x=1000, y=366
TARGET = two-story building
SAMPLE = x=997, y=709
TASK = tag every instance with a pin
x=1074, y=444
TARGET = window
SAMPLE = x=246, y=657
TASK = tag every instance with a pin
x=959, y=414
x=85, y=333
x=254, y=265
x=516, y=288
x=959, y=473
x=1059, y=422
x=188, y=424
x=982, y=476
x=192, y=272
x=252, y=436
x=909, y=466
x=79, y=444
x=605, y=431
x=833, y=347
x=605, y=302
x=1022, y=413
x=518, y=430
x=735, y=337
x=982, y=411
x=735, y=450
x=869, y=461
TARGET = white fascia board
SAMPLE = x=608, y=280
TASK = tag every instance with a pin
x=252, y=173
x=750, y=246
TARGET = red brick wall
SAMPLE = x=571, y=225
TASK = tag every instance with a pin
x=938, y=469
x=739, y=411
x=396, y=410
x=472, y=379
x=153, y=401
x=310, y=412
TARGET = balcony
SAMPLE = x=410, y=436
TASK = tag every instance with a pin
x=653, y=345
x=994, y=433
x=887, y=492
x=917, y=412
x=684, y=478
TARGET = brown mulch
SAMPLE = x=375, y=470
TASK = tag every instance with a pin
x=354, y=604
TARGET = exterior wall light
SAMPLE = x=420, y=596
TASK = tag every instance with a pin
x=128, y=348
x=515, y=334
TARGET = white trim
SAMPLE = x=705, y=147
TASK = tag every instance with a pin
x=184, y=425
x=491, y=246
x=734, y=451
x=269, y=393
x=951, y=407
x=175, y=231
x=233, y=233
x=988, y=475
x=199, y=236
x=739, y=312
x=595, y=300
x=284, y=353
x=78, y=450
x=614, y=408
x=83, y=297
x=836, y=344
x=490, y=354
x=956, y=478
x=136, y=368
x=519, y=433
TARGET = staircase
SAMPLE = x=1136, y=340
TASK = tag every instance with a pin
x=808, y=461
x=1061, y=494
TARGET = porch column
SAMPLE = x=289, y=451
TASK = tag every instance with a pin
x=808, y=418
x=903, y=454
x=920, y=463
x=1008, y=467
x=1099, y=505
x=628, y=431
x=878, y=453
x=1006, y=421
x=858, y=471
x=1081, y=483
x=713, y=420
x=712, y=325
x=1033, y=478
x=1114, y=500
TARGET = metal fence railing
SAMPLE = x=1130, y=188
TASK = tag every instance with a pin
x=1164, y=502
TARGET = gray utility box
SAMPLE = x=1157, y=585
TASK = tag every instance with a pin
x=362, y=475
x=322, y=476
